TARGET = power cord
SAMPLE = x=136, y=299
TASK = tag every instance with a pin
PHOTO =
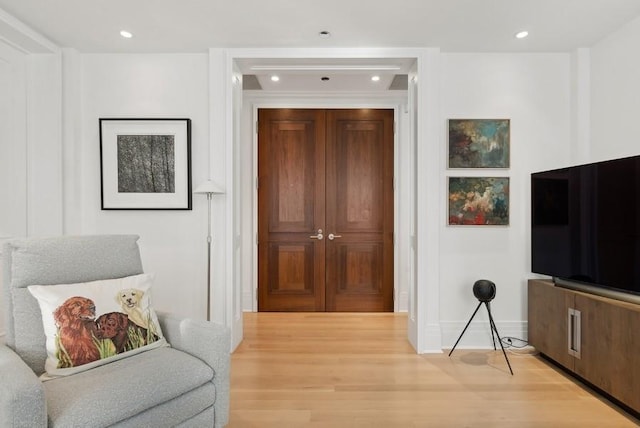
x=514, y=342
x=518, y=346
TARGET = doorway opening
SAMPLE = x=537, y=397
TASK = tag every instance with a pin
x=326, y=210
x=417, y=122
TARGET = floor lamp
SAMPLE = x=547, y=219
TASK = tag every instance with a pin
x=209, y=188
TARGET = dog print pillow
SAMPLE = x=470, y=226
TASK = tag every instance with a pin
x=93, y=323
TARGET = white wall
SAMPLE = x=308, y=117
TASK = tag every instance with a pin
x=615, y=94
x=30, y=138
x=13, y=150
x=173, y=243
x=534, y=92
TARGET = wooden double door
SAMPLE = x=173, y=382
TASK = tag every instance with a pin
x=325, y=210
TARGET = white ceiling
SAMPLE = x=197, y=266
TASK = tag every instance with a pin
x=195, y=25
x=93, y=26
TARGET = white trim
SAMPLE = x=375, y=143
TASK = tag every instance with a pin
x=426, y=328
x=22, y=37
x=429, y=182
x=337, y=53
x=44, y=144
x=223, y=113
x=581, y=99
x=71, y=129
x=331, y=97
x=3, y=333
x=478, y=334
x=403, y=302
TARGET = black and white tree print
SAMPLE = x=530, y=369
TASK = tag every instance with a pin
x=146, y=164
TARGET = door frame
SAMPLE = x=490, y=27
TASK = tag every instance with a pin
x=427, y=184
x=393, y=102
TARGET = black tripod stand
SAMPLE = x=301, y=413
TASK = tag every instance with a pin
x=485, y=291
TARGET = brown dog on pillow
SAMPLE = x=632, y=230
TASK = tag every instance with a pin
x=76, y=328
x=114, y=326
x=125, y=334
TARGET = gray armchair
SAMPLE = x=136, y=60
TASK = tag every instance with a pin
x=184, y=385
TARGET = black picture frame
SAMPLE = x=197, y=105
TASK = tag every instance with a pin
x=145, y=164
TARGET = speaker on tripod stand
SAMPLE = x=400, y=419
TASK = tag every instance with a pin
x=485, y=291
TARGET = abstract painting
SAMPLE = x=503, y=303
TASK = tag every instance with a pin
x=145, y=163
x=478, y=201
x=479, y=143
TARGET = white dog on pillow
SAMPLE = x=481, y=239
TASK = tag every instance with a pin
x=130, y=299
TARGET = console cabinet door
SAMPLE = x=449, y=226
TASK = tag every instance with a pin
x=548, y=326
x=610, y=347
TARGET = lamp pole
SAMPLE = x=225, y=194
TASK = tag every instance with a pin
x=209, y=188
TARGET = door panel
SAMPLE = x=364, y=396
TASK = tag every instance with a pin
x=329, y=170
x=355, y=176
x=291, y=188
x=292, y=161
x=360, y=210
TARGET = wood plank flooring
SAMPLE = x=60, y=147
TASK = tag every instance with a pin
x=358, y=370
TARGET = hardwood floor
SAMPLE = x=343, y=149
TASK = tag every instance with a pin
x=358, y=370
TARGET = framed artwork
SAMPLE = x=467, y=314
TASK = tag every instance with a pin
x=479, y=143
x=145, y=164
x=479, y=201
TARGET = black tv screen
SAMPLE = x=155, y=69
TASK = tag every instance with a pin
x=585, y=224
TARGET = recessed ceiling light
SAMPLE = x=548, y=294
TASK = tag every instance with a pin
x=275, y=78
x=375, y=78
x=126, y=34
x=522, y=34
x=324, y=34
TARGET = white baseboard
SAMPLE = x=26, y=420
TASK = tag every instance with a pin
x=433, y=340
x=478, y=334
x=247, y=302
x=403, y=301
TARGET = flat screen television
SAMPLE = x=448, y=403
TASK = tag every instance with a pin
x=585, y=227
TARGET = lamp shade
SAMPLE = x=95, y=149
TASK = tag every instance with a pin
x=207, y=187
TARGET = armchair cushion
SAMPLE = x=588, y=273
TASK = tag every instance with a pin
x=22, y=401
x=93, y=323
x=114, y=392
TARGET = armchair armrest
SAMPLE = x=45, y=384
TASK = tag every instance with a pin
x=22, y=402
x=209, y=342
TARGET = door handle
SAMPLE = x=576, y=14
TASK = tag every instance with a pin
x=332, y=236
x=318, y=236
x=574, y=332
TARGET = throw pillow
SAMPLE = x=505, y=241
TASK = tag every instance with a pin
x=93, y=323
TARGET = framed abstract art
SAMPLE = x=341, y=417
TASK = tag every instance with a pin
x=479, y=143
x=478, y=201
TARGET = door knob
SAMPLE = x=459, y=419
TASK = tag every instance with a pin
x=332, y=236
x=318, y=236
